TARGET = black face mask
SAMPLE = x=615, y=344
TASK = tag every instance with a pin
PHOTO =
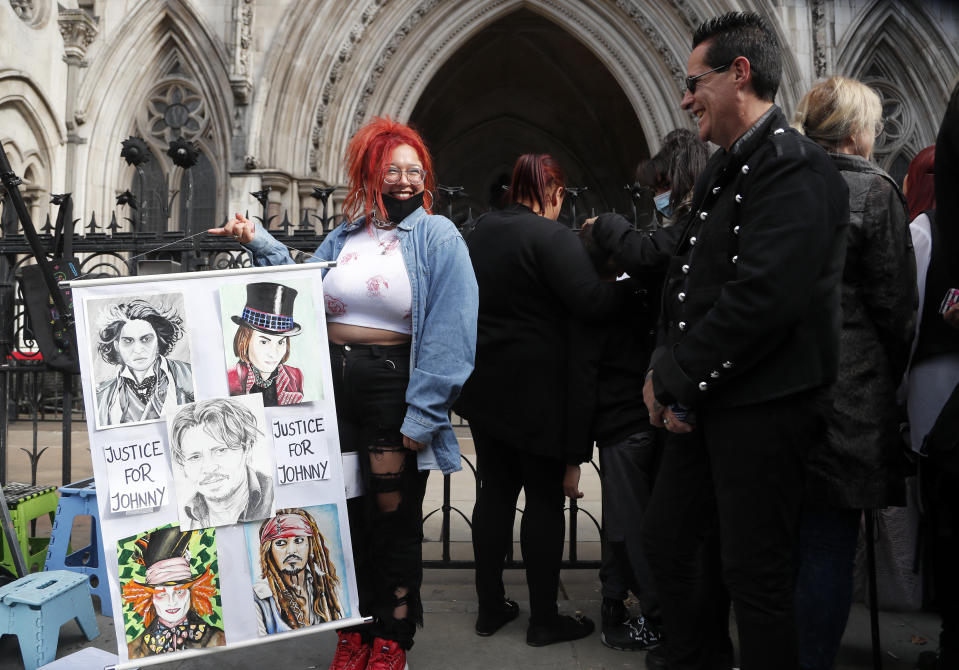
x=397, y=209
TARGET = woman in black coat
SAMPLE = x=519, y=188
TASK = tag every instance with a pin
x=533, y=276
x=859, y=465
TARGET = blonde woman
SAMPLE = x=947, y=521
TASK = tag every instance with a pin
x=856, y=467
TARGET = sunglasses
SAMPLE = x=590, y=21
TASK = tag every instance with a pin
x=692, y=81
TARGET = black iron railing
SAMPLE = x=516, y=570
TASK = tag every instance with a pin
x=30, y=392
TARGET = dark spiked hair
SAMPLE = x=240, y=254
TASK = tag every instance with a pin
x=744, y=34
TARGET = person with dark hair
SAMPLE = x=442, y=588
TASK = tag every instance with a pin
x=533, y=276
x=401, y=319
x=860, y=465
x=262, y=343
x=211, y=442
x=137, y=336
x=298, y=584
x=610, y=359
x=671, y=173
x=933, y=378
x=750, y=341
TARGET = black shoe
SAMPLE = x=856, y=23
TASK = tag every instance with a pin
x=631, y=635
x=561, y=629
x=656, y=658
x=491, y=620
x=613, y=613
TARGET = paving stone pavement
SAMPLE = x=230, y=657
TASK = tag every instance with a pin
x=447, y=640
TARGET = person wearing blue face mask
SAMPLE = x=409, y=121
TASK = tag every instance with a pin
x=663, y=206
x=672, y=171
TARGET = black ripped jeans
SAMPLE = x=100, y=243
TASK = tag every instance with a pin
x=369, y=385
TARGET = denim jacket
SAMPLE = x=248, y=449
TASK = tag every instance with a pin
x=445, y=302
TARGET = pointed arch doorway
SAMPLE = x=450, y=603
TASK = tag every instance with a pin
x=523, y=84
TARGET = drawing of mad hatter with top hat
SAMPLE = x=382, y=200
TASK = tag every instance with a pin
x=262, y=343
x=172, y=598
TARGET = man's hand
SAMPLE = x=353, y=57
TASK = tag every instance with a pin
x=239, y=228
x=655, y=407
x=952, y=316
x=571, y=483
x=673, y=424
x=412, y=444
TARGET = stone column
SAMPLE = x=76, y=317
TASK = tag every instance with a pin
x=279, y=184
x=307, y=203
x=78, y=29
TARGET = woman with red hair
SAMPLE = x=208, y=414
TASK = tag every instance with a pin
x=401, y=319
x=534, y=277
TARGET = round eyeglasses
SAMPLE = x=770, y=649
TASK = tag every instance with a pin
x=692, y=81
x=415, y=176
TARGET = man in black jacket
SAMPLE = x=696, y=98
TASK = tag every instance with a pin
x=751, y=319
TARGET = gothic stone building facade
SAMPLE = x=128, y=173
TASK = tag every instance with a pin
x=272, y=90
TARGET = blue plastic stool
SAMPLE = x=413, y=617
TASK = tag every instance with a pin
x=80, y=499
x=34, y=607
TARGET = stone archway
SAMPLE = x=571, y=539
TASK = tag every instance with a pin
x=524, y=84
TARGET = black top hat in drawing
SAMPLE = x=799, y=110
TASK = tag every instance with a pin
x=164, y=555
x=269, y=309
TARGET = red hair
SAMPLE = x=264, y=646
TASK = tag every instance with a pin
x=368, y=154
x=535, y=177
x=921, y=182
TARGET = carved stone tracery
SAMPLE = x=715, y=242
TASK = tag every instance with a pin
x=241, y=67
x=175, y=108
x=386, y=53
x=26, y=10
x=78, y=30
x=343, y=56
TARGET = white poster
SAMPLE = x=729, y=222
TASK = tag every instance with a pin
x=192, y=475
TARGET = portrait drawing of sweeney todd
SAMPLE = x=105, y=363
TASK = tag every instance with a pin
x=136, y=336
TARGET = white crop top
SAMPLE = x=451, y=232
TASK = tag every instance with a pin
x=369, y=286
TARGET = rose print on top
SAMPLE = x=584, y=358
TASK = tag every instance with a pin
x=375, y=286
x=346, y=258
x=335, y=306
x=389, y=244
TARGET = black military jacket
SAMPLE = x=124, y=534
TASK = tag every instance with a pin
x=751, y=302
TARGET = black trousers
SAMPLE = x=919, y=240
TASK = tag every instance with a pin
x=369, y=384
x=502, y=471
x=628, y=468
x=726, y=507
x=940, y=487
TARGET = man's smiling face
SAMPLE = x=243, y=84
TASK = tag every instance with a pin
x=713, y=101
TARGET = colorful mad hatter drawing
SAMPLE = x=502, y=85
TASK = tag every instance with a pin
x=170, y=591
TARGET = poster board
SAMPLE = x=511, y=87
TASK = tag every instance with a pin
x=218, y=485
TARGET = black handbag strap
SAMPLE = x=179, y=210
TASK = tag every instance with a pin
x=11, y=182
x=63, y=233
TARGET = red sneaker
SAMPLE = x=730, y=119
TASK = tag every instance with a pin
x=351, y=653
x=387, y=655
